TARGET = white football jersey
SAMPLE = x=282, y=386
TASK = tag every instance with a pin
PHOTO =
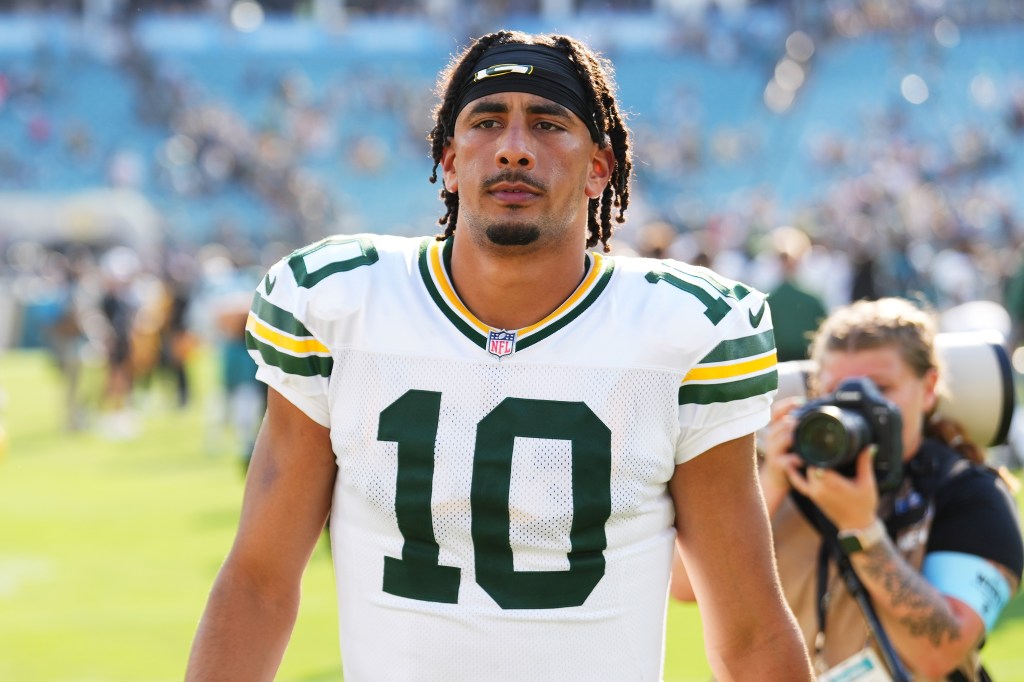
x=501, y=508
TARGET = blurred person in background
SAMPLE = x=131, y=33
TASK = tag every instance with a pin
x=939, y=555
x=118, y=305
x=218, y=313
x=796, y=311
x=507, y=429
x=161, y=341
x=655, y=239
x=65, y=336
x=177, y=342
x=245, y=396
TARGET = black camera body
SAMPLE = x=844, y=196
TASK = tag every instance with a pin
x=831, y=431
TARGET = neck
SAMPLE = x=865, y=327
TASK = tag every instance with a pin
x=508, y=288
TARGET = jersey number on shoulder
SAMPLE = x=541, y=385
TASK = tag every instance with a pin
x=313, y=263
x=702, y=283
x=412, y=421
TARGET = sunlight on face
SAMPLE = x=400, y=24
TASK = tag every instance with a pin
x=520, y=165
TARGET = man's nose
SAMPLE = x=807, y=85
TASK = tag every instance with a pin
x=515, y=149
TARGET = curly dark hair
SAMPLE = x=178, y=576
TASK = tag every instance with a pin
x=597, y=76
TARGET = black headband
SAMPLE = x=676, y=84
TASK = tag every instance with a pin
x=536, y=69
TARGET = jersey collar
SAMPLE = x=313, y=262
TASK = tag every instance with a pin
x=435, y=267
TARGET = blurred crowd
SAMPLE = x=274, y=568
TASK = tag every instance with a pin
x=125, y=332
x=139, y=319
x=923, y=214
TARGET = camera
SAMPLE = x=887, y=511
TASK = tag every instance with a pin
x=831, y=431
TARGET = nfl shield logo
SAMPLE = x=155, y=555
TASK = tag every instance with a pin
x=501, y=343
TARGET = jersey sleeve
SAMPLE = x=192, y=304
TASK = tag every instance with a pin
x=728, y=392
x=290, y=358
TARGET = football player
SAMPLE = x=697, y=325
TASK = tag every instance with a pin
x=508, y=430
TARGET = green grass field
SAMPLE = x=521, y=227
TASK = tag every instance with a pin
x=108, y=548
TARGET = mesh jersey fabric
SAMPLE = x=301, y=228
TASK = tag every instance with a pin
x=501, y=508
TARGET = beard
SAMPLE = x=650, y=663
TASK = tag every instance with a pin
x=513, y=234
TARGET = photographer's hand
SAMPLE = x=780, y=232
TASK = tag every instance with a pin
x=777, y=457
x=849, y=503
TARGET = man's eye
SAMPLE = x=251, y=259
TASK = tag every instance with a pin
x=548, y=125
x=489, y=123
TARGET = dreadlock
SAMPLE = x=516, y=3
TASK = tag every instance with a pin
x=597, y=76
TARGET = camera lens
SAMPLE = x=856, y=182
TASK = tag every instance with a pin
x=830, y=437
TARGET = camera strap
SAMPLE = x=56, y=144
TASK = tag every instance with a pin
x=830, y=549
x=821, y=601
x=827, y=531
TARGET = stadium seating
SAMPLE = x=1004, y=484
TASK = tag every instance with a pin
x=352, y=109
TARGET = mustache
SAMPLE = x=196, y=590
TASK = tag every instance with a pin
x=511, y=175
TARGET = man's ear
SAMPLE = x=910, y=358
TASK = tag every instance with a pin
x=451, y=179
x=601, y=166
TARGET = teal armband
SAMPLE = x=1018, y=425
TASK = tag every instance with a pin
x=970, y=579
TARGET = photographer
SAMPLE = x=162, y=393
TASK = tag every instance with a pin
x=938, y=551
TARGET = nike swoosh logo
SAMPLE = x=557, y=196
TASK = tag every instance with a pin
x=268, y=284
x=755, y=318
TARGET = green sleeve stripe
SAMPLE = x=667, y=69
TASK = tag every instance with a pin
x=309, y=366
x=748, y=346
x=279, y=318
x=705, y=394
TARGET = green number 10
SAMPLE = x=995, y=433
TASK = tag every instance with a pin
x=412, y=421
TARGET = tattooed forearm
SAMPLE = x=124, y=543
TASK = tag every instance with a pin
x=910, y=600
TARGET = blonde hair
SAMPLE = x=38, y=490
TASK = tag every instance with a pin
x=887, y=322
x=893, y=323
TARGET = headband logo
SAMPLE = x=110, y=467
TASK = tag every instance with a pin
x=501, y=70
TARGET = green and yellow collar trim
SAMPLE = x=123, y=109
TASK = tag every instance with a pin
x=435, y=267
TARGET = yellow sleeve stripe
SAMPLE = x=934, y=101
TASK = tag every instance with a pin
x=280, y=341
x=706, y=373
